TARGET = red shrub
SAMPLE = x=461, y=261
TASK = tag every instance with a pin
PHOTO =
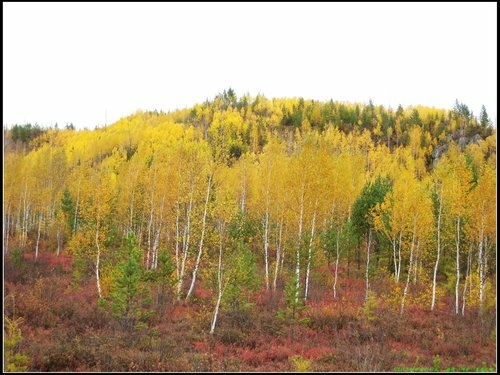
x=318, y=352
x=201, y=346
x=251, y=357
x=277, y=354
x=220, y=351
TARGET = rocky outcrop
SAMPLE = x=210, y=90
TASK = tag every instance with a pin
x=462, y=143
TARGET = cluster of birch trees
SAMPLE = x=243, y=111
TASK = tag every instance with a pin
x=182, y=182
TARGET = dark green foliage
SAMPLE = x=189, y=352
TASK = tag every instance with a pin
x=68, y=207
x=484, y=119
x=235, y=151
x=473, y=168
x=460, y=110
x=244, y=278
x=162, y=282
x=240, y=263
x=16, y=258
x=242, y=228
x=26, y=133
x=373, y=193
x=292, y=313
x=128, y=295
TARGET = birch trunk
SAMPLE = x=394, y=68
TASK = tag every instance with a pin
x=131, y=218
x=457, y=285
x=266, y=245
x=200, y=250
x=59, y=242
x=219, y=287
x=38, y=235
x=19, y=226
x=97, y=262
x=433, y=303
x=278, y=255
x=6, y=231
x=481, y=264
x=150, y=225
x=309, y=256
x=177, y=261
x=336, y=265
x=399, y=256
x=415, y=273
x=467, y=275
x=394, y=241
x=297, y=264
x=409, y=268
x=185, y=245
x=156, y=242
x=25, y=216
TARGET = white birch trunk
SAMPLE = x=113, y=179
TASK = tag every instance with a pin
x=19, y=226
x=185, y=245
x=433, y=303
x=309, y=256
x=336, y=265
x=219, y=286
x=416, y=268
x=278, y=255
x=481, y=263
x=38, y=235
x=156, y=243
x=59, y=240
x=150, y=225
x=131, y=218
x=177, y=260
x=141, y=225
x=405, y=292
x=297, y=264
x=266, y=245
x=457, y=285
x=393, y=240
x=399, y=256
x=200, y=250
x=98, y=281
x=25, y=216
x=7, y=230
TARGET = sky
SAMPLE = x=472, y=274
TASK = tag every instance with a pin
x=90, y=64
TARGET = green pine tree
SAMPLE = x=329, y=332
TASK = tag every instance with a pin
x=128, y=295
x=14, y=361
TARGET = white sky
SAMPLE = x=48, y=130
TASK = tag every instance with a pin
x=88, y=63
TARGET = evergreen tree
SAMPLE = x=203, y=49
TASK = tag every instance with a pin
x=128, y=295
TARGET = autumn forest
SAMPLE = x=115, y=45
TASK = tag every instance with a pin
x=253, y=234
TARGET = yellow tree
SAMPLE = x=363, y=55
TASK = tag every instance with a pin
x=482, y=224
x=98, y=205
x=12, y=196
x=270, y=175
x=303, y=199
x=205, y=168
x=225, y=209
x=456, y=189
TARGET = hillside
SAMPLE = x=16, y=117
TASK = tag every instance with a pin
x=253, y=234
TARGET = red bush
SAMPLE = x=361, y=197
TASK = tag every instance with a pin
x=251, y=357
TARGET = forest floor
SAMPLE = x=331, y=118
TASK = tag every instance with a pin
x=64, y=328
